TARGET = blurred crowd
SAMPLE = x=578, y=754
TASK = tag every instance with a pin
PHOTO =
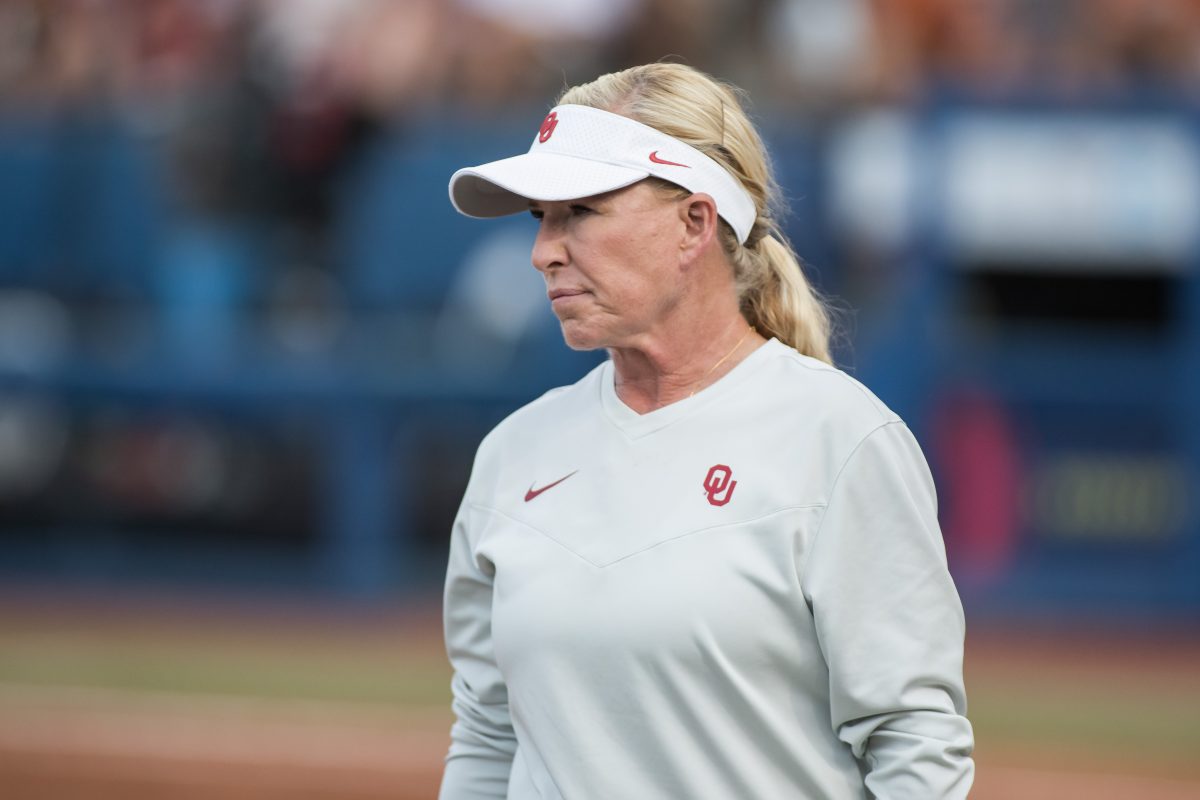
x=385, y=57
x=261, y=102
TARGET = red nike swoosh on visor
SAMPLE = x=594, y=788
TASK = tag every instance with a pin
x=532, y=493
x=654, y=157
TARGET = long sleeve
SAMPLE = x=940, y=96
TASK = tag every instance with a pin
x=482, y=739
x=890, y=623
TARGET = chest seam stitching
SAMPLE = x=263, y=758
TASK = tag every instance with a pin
x=684, y=535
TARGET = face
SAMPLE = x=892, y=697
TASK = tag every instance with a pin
x=611, y=264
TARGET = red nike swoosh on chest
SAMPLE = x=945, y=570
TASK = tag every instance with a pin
x=532, y=493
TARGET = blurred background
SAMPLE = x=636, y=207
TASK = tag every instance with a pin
x=247, y=350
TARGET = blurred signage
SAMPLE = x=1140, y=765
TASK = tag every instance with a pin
x=877, y=169
x=1091, y=191
x=1109, y=497
x=1021, y=189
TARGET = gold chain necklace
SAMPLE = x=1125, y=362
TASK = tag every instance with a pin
x=711, y=369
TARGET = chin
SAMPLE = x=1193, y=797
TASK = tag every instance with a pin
x=577, y=337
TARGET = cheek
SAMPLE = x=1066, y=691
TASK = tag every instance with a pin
x=630, y=288
x=634, y=277
x=646, y=258
x=653, y=273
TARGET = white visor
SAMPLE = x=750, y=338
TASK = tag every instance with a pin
x=582, y=151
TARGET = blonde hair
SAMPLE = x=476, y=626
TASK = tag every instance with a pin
x=774, y=295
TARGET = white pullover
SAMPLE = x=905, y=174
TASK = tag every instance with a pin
x=740, y=596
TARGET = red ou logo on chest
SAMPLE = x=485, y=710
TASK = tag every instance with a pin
x=719, y=480
x=548, y=126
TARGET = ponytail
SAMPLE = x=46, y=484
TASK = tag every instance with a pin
x=784, y=305
x=774, y=294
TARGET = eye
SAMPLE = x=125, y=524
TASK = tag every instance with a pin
x=579, y=209
x=537, y=213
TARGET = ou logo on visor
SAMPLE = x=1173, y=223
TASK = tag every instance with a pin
x=548, y=126
x=718, y=481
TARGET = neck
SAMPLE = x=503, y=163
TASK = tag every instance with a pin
x=665, y=368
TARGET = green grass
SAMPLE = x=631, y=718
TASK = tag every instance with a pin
x=333, y=672
x=1143, y=726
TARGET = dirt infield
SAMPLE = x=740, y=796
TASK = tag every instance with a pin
x=88, y=743
x=309, y=705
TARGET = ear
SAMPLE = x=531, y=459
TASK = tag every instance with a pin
x=698, y=213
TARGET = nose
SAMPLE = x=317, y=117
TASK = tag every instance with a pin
x=549, y=250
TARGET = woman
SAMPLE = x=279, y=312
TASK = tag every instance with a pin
x=712, y=567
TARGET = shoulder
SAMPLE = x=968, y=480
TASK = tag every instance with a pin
x=822, y=394
x=833, y=420
x=822, y=413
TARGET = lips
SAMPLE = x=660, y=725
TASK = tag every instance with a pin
x=555, y=294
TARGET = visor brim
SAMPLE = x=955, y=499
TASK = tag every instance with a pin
x=506, y=186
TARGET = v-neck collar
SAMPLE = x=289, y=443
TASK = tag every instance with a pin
x=636, y=425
